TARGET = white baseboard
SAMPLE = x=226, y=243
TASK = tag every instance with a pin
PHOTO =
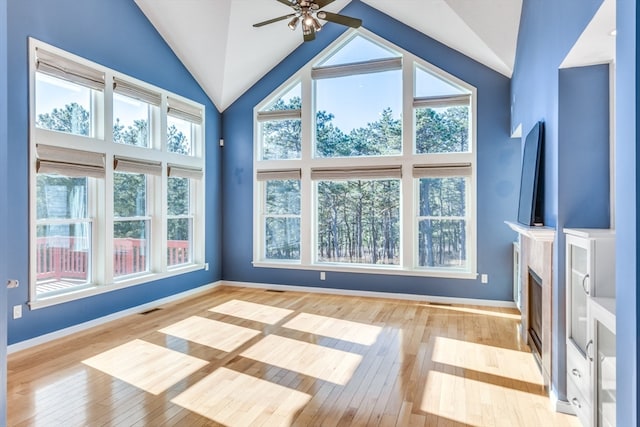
x=23, y=345
x=347, y=292
x=558, y=405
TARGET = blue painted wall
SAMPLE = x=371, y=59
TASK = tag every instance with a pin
x=548, y=30
x=498, y=172
x=115, y=34
x=3, y=212
x=583, y=147
x=627, y=109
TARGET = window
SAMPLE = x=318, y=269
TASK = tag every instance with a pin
x=358, y=221
x=64, y=107
x=179, y=222
x=281, y=214
x=63, y=233
x=95, y=179
x=280, y=127
x=442, y=217
x=183, y=123
x=441, y=115
x=131, y=225
x=182, y=207
x=372, y=170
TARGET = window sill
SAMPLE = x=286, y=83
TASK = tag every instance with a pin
x=446, y=274
x=101, y=289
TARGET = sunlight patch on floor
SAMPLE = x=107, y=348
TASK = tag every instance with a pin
x=316, y=361
x=469, y=401
x=219, y=335
x=252, y=311
x=236, y=399
x=346, y=330
x=511, y=364
x=473, y=310
x=147, y=366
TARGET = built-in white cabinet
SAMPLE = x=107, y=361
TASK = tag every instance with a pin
x=590, y=278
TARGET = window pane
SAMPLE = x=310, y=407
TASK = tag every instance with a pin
x=62, y=106
x=442, y=197
x=179, y=232
x=61, y=197
x=130, y=247
x=358, y=221
x=179, y=136
x=129, y=194
x=130, y=121
x=283, y=197
x=281, y=139
x=442, y=243
x=428, y=84
x=178, y=196
x=282, y=238
x=359, y=115
x=63, y=255
x=442, y=233
x=282, y=220
x=359, y=49
x=442, y=130
x=288, y=101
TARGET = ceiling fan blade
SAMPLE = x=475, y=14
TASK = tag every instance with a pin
x=323, y=3
x=271, y=21
x=311, y=35
x=340, y=19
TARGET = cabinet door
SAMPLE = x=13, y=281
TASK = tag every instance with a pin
x=578, y=290
x=605, y=376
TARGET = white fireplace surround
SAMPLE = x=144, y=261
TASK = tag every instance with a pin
x=536, y=253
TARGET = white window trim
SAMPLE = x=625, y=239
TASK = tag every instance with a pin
x=406, y=160
x=100, y=204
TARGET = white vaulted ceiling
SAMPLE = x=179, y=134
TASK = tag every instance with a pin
x=217, y=43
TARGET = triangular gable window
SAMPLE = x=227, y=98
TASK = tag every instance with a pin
x=428, y=84
x=290, y=100
x=358, y=49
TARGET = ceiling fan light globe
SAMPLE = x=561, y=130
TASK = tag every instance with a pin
x=308, y=20
x=321, y=15
x=293, y=24
x=316, y=25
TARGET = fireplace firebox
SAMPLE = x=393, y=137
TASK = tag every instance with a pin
x=534, y=310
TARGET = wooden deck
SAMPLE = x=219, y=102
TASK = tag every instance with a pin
x=239, y=357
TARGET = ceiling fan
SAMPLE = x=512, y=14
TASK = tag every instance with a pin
x=307, y=13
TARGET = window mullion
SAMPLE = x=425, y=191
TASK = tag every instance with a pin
x=307, y=203
x=104, y=225
x=160, y=232
x=408, y=193
x=106, y=131
x=408, y=224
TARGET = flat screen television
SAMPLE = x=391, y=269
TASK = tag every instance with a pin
x=530, y=206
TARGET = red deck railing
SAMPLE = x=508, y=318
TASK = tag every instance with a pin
x=60, y=257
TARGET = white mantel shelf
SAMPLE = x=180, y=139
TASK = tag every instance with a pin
x=539, y=233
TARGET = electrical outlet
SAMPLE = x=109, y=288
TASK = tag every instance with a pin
x=17, y=311
x=206, y=266
x=484, y=278
x=323, y=276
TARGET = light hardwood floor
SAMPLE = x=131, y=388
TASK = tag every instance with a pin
x=241, y=357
